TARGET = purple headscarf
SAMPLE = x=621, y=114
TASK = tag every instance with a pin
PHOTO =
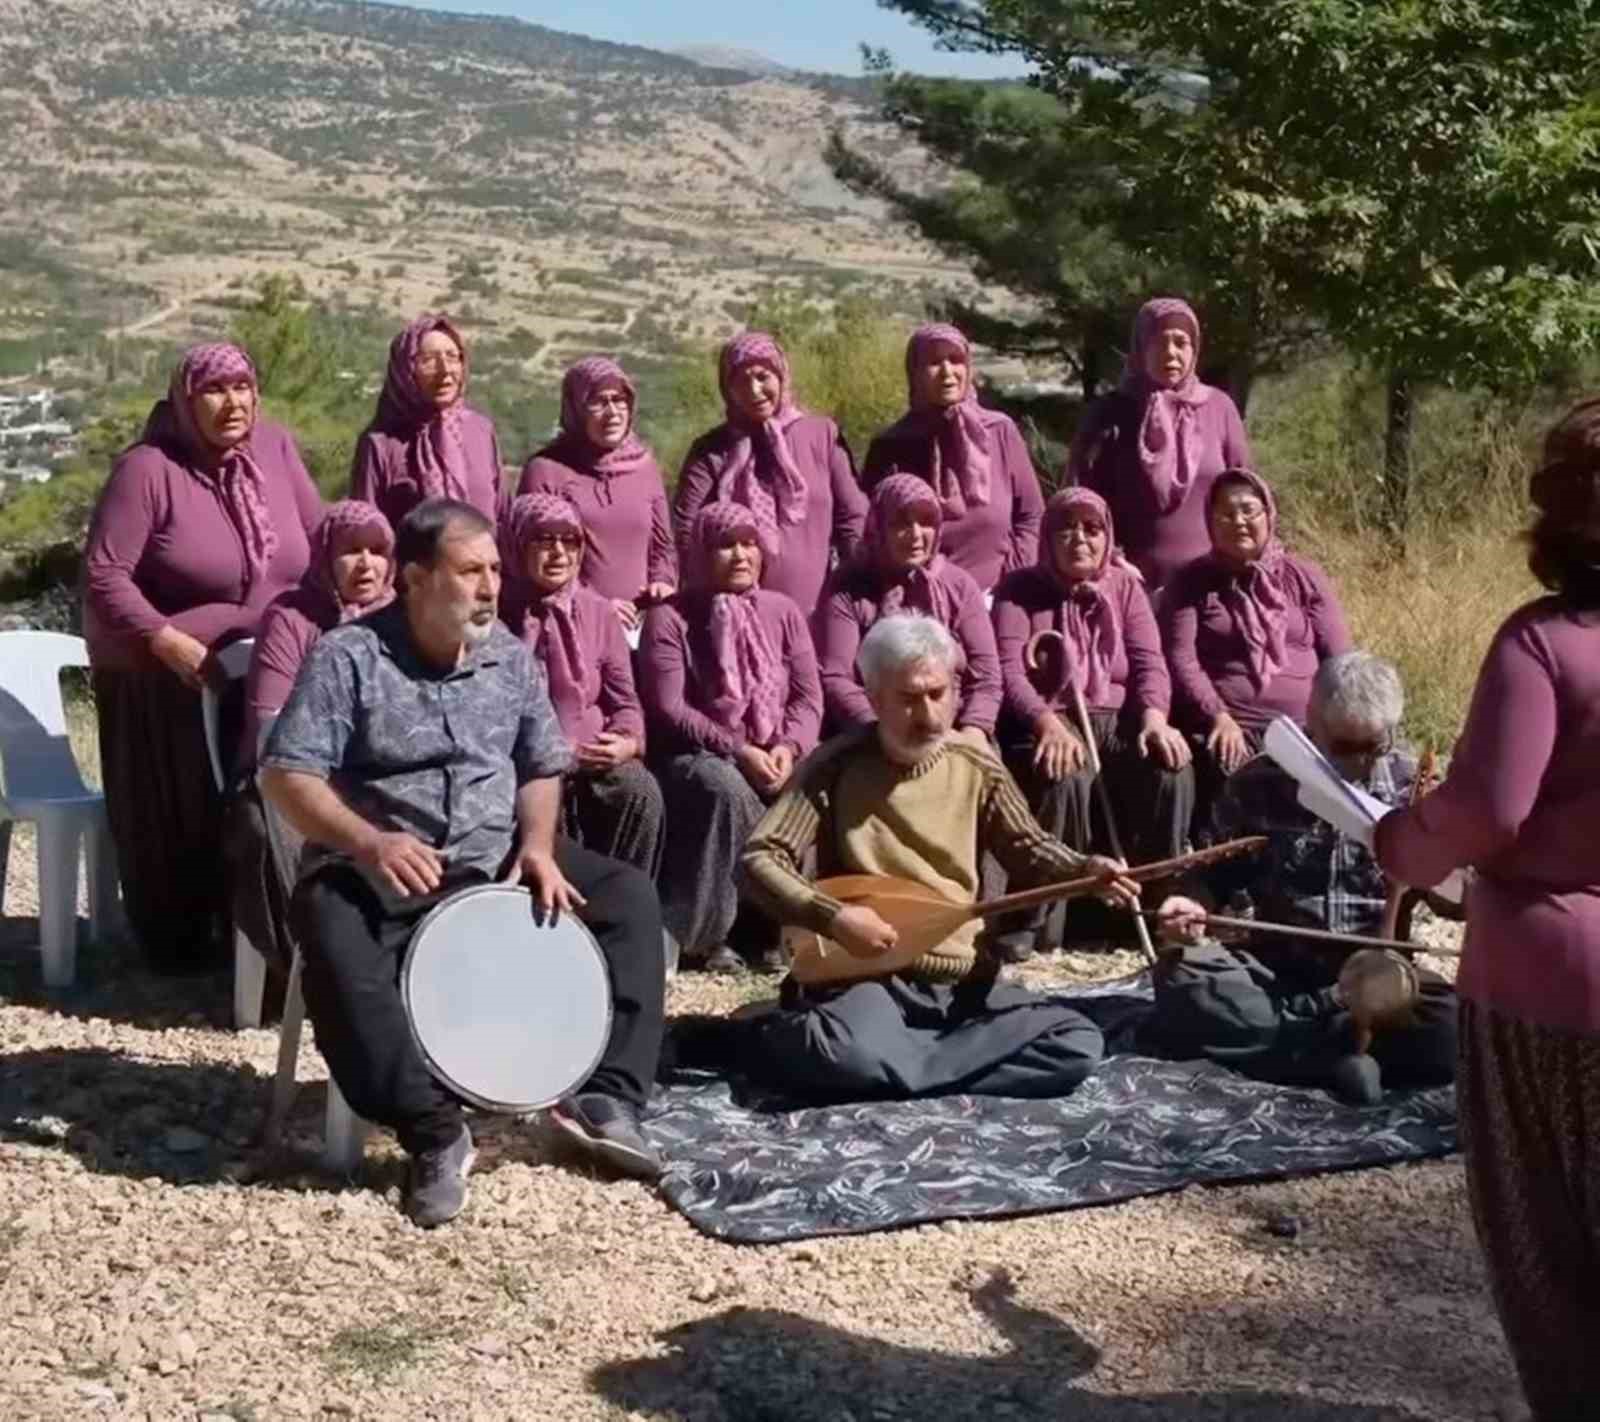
x=1086, y=617
x=437, y=453
x=550, y=620
x=1169, y=436
x=961, y=466
x=579, y=385
x=320, y=585
x=749, y=668
x=1255, y=594
x=783, y=503
x=236, y=471
x=907, y=589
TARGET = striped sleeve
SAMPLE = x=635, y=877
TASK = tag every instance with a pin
x=771, y=866
x=1030, y=856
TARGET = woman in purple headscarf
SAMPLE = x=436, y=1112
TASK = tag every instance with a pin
x=599, y=464
x=611, y=803
x=350, y=573
x=899, y=568
x=1079, y=622
x=1246, y=626
x=792, y=470
x=974, y=459
x=425, y=441
x=730, y=685
x=202, y=523
x=1153, y=448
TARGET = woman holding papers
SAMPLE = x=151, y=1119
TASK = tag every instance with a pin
x=1522, y=804
x=1246, y=626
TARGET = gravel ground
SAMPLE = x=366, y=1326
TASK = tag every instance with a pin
x=155, y=1265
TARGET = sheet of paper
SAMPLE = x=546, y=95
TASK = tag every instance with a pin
x=1327, y=794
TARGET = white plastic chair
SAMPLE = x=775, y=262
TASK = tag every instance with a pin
x=43, y=784
x=249, y=967
x=344, y=1134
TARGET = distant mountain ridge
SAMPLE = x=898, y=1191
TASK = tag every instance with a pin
x=566, y=193
x=722, y=56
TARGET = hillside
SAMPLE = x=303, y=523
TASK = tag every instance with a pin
x=559, y=193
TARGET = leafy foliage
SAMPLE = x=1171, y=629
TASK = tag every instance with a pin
x=1420, y=181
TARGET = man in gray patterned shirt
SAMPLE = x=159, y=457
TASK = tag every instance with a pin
x=1276, y=1010
x=419, y=754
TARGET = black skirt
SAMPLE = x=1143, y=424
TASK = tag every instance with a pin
x=166, y=817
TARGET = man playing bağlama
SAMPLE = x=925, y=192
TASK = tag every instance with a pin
x=1283, y=1016
x=907, y=798
x=419, y=754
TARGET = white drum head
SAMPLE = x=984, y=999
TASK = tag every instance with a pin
x=509, y=1013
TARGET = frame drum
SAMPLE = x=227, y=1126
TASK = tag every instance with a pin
x=509, y=1013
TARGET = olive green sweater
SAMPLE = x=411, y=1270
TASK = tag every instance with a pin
x=930, y=823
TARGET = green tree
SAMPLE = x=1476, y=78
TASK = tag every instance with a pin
x=282, y=331
x=1420, y=180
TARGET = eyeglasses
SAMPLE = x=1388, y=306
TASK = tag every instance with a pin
x=549, y=542
x=1240, y=513
x=433, y=364
x=1366, y=749
x=601, y=403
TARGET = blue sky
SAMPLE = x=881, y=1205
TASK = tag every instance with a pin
x=804, y=34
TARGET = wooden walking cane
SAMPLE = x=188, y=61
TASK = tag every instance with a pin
x=1086, y=729
x=923, y=919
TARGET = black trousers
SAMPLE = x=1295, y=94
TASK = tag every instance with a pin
x=1153, y=806
x=892, y=1038
x=1226, y=1005
x=354, y=940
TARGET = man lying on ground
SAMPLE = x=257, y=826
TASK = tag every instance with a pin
x=1278, y=1010
x=419, y=754
x=906, y=797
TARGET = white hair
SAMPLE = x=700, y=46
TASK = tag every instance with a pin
x=901, y=640
x=1360, y=690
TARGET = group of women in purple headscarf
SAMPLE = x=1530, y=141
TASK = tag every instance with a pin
x=696, y=648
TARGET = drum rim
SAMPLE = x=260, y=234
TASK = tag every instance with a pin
x=504, y=1108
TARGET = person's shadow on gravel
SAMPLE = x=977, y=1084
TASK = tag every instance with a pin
x=767, y=1365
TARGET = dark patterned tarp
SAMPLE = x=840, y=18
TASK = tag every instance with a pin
x=749, y=1166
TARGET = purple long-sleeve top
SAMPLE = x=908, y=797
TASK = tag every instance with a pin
x=164, y=550
x=1105, y=457
x=1521, y=804
x=610, y=698
x=287, y=634
x=853, y=602
x=677, y=671
x=381, y=471
x=1209, y=658
x=836, y=509
x=629, y=531
x=1027, y=603
x=993, y=538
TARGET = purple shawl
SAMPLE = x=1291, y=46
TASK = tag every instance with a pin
x=550, y=620
x=582, y=382
x=1255, y=595
x=1086, y=619
x=783, y=504
x=905, y=589
x=1169, y=437
x=319, y=587
x=749, y=694
x=171, y=422
x=961, y=465
x=435, y=450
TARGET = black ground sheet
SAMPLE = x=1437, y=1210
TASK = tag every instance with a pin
x=747, y=1165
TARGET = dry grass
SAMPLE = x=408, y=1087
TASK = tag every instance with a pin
x=1432, y=613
